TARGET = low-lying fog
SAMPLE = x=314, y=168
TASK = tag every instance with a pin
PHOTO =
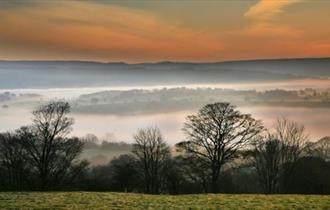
x=315, y=119
x=75, y=92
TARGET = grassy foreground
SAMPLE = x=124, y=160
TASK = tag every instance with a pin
x=112, y=201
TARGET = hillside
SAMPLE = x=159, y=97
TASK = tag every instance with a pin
x=60, y=74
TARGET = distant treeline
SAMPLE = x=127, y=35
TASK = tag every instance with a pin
x=137, y=101
x=225, y=151
x=144, y=101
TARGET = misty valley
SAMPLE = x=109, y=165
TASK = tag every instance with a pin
x=176, y=105
x=113, y=115
x=109, y=104
x=113, y=100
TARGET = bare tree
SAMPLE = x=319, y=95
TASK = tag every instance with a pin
x=293, y=138
x=152, y=153
x=51, y=154
x=216, y=133
x=275, y=155
x=267, y=160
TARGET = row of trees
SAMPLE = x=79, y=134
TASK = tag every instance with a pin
x=225, y=151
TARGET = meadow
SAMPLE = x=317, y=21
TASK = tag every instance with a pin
x=127, y=201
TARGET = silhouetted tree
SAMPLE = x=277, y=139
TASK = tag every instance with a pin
x=52, y=156
x=99, y=178
x=267, y=161
x=173, y=178
x=151, y=152
x=185, y=175
x=196, y=171
x=124, y=173
x=293, y=138
x=216, y=133
x=14, y=167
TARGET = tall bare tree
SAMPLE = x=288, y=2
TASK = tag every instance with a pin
x=51, y=154
x=293, y=138
x=152, y=153
x=275, y=155
x=215, y=135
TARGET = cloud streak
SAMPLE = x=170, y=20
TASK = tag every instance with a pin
x=263, y=16
x=267, y=9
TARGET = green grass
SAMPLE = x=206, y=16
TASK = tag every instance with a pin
x=113, y=201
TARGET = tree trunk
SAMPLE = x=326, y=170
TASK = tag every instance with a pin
x=215, y=179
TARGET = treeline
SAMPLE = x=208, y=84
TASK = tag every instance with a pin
x=225, y=151
x=142, y=101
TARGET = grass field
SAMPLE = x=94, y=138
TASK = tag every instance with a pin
x=112, y=201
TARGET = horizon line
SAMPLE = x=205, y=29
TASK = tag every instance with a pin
x=160, y=61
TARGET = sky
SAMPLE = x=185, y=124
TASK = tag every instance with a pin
x=155, y=30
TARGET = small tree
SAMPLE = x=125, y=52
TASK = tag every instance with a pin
x=152, y=153
x=124, y=176
x=14, y=167
x=216, y=133
x=195, y=172
x=267, y=160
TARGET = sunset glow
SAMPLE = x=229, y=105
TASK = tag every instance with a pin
x=133, y=31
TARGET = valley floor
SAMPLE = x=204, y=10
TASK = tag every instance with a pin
x=113, y=201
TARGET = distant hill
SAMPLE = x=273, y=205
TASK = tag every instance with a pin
x=311, y=67
x=57, y=74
